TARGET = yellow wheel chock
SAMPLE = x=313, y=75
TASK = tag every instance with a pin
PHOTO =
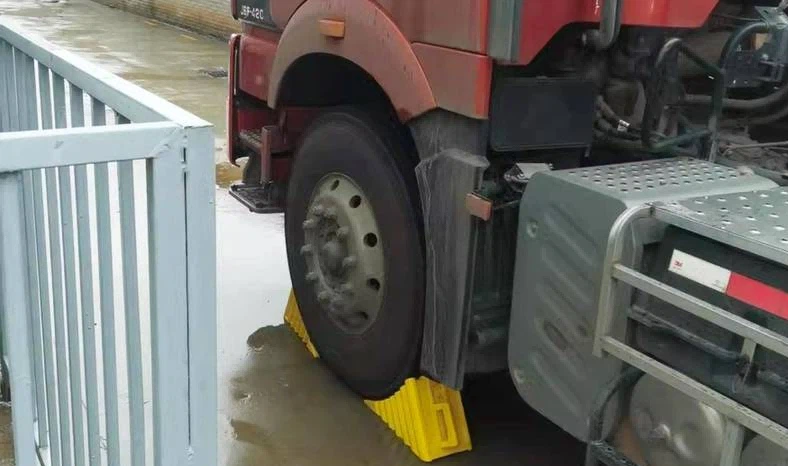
x=427, y=416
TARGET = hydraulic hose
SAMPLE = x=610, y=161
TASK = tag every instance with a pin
x=766, y=119
x=609, y=26
x=742, y=104
x=736, y=38
x=728, y=50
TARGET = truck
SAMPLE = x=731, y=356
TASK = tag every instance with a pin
x=588, y=194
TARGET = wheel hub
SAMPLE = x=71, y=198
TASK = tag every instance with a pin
x=344, y=253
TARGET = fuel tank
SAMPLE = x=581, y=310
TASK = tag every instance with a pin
x=565, y=220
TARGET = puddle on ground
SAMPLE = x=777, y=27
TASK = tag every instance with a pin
x=6, y=436
x=227, y=174
x=288, y=409
x=187, y=69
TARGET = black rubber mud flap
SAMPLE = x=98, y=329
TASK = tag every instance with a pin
x=444, y=181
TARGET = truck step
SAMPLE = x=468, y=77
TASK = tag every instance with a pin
x=427, y=416
x=251, y=140
x=259, y=198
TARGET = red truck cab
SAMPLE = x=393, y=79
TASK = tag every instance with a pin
x=399, y=137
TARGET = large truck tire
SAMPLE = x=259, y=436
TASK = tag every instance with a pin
x=355, y=247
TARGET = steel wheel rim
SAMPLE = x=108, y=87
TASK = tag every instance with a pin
x=343, y=250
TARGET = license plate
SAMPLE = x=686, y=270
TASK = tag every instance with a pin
x=255, y=11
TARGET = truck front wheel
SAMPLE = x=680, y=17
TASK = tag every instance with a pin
x=354, y=245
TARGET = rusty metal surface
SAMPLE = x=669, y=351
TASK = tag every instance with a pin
x=416, y=77
x=460, y=81
x=373, y=41
x=459, y=24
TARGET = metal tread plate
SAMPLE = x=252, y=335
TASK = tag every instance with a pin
x=662, y=180
x=753, y=221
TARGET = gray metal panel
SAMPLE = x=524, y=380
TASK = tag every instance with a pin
x=754, y=221
x=666, y=179
x=565, y=221
x=505, y=28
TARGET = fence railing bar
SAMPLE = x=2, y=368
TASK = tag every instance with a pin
x=169, y=319
x=72, y=313
x=25, y=150
x=37, y=343
x=106, y=299
x=98, y=112
x=27, y=100
x=19, y=90
x=61, y=337
x=86, y=287
x=88, y=315
x=77, y=104
x=75, y=414
x=4, y=103
x=128, y=99
x=46, y=320
x=106, y=294
x=59, y=100
x=13, y=290
x=11, y=97
x=128, y=239
x=27, y=120
x=45, y=96
x=201, y=290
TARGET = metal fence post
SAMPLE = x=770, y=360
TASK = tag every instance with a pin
x=201, y=282
x=15, y=307
x=168, y=311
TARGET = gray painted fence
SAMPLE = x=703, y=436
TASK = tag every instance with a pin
x=107, y=265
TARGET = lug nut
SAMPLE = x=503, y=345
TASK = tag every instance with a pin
x=346, y=288
x=306, y=249
x=343, y=232
x=349, y=262
x=309, y=224
x=311, y=277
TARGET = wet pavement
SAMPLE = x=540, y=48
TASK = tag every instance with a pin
x=278, y=406
x=287, y=409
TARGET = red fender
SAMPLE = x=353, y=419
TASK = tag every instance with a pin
x=372, y=41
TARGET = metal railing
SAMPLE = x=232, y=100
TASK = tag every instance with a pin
x=610, y=337
x=107, y=265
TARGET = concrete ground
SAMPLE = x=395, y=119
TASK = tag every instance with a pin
x=278, y=406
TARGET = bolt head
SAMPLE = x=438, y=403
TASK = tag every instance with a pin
x=311, y=277
x=343, y=232
x=331, y=213
x=324, y=297
x=346, y=288
x=309, y=224
x=307, y=249
x=349, y=262
x=318, y=210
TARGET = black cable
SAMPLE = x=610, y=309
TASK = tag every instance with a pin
x=741, y=104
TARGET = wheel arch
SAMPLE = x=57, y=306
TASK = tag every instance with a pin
x=371, y=41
